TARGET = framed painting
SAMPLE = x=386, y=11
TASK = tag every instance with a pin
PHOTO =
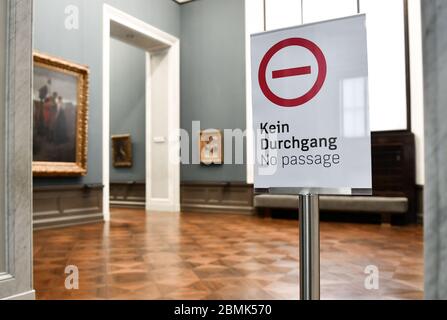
x=60, y=114
x=122, y=151
x=211, y=147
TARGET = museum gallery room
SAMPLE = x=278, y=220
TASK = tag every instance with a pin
x=138, y=138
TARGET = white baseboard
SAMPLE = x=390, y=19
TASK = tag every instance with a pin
x=30, y=295
x=162, y=206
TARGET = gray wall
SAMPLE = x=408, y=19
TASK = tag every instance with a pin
x=213, y=76
x=434, y=26
x=127, y=106
x=212, y=70
x=85, y=46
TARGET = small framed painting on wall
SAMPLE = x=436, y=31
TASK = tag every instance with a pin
x=211, y=147
x=122, y=151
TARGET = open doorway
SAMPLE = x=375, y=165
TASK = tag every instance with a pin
x=127, y=123
x=162, y=108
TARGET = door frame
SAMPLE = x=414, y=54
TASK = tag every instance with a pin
x=16, y=133
x=172, y=202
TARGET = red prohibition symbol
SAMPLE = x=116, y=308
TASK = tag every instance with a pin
x=322, y=71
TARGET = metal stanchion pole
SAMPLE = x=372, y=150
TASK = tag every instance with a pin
x=309, y=215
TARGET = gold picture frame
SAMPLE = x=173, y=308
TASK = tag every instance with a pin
x=122, y=151
x=211, y=147
x=60, y=110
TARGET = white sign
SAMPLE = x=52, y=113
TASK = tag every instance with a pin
x=310, y=106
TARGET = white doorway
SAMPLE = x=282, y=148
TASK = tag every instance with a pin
x=162, y=108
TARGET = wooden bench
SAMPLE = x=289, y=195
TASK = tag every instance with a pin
x=385, y=206
x=394, y=184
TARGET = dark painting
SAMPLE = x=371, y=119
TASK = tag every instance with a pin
x=55, y=98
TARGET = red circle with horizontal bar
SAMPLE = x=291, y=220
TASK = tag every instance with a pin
x=322, y=71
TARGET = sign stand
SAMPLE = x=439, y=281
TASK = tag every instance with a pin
x=309, y=215
x=302, y=80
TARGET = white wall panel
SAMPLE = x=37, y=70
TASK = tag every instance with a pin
x=282, y=13
x=159, y=161
x=254, y=23
x=417, y=85
x=387, y=67
x=319, y=10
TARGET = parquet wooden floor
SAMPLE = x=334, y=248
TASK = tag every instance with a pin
x=208, y=256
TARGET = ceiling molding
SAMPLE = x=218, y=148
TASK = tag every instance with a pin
x=182, y=1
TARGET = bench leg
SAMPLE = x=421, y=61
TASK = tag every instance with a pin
x=262, y=212
x=386, y=219
x=267, y=213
